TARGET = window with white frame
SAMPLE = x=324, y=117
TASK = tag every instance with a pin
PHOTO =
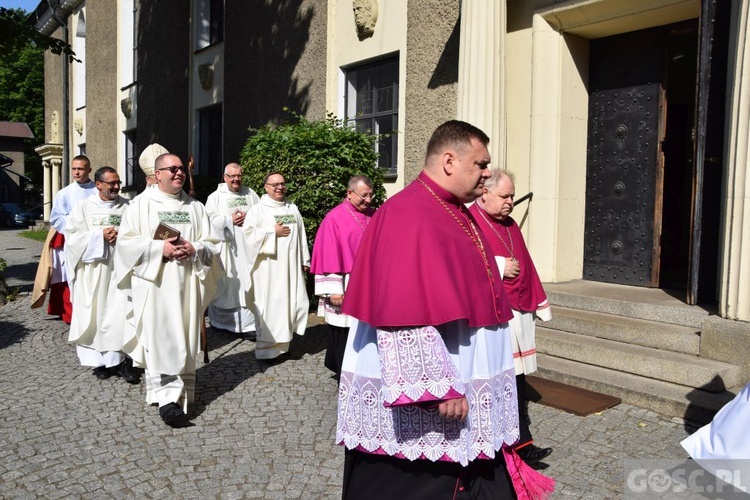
x=209, y=25
x=134, y=50
x=210, y=144
x=371, y=103
x=131, y=166
x=128, y=32
x=79, y=69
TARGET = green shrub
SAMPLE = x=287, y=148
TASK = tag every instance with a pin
x=316, y=158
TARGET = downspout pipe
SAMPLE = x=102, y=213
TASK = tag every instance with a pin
x=65, y=170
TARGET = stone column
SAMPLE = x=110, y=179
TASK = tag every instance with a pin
x=481, y=80
x=734, y=293
x=46, y=167
x=56, y=162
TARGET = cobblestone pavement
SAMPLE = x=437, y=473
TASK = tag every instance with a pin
x=261, y=431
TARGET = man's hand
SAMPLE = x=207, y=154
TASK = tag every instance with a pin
x=511, y=268
x=454, y=409
x=336, y=299
x=178, y=249
x=282, y=231
x=170, y=248
x=238, y=218
x=110, y=235
x=185, y=250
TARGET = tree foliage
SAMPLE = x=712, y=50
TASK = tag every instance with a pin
x=16, y=33
x=22, y=86
x=316, y=158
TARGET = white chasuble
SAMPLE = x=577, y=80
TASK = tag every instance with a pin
x=168, y=298
x=98, y=307
x=231, y=310
x=278, y=280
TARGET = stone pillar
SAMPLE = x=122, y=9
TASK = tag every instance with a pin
x=56, y=162
x=51, y=155
x=481, y=81
x=47, y=166
x=734, y=293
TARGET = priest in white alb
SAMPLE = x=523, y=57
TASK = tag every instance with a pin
x=171, y=282
x=277, y=247
x=62, y=205
x=98, y=306
x=231, y=310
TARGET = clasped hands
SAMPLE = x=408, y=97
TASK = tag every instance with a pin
x=238, y=218
x=178, y=249
x=110, y=234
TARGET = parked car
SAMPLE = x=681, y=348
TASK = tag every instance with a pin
x=16, y=214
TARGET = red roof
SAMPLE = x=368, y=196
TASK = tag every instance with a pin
x=15, y=129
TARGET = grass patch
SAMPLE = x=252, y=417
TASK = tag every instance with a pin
x=35, y=234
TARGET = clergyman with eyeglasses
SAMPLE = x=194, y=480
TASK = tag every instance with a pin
x=336, y=245
x=231, y=310
x=277, y=248
x=170, y=282
x=98, y=306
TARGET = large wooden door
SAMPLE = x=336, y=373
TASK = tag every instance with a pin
x=624, y=171
x=708, y=152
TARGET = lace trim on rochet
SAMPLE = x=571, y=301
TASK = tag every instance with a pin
x=415, y=365
x=413, y=432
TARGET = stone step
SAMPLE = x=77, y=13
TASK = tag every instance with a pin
x=677, y=368
x=676, y=338
x=673, y=400
x=652, y=304
x=40, y=225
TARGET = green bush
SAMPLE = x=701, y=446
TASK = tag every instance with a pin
x=316, y=158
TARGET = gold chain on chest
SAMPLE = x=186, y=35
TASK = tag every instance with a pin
x=510, y=238
x=357, y=220
x=472, y=231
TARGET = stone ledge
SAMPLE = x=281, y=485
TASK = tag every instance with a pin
x=728, y=341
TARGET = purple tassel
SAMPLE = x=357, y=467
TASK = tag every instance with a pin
x=528, y=483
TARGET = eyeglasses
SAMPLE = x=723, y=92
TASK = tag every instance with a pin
x=173, y=170
x=276, y=184
x=368, y=196
x=111, y=183
x=233, y=177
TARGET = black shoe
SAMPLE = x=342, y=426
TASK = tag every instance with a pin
x=103, y=373
x=173, y=416
x=128, y=373
x=532, y=455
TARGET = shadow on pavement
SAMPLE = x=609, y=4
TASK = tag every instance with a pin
x=22, y=273
x=222, y=375
x=218, y=338
x=227, y=370
x=11, y=333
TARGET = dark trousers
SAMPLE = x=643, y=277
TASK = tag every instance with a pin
x=336, y=346
x=523, y=412
x=380, y=477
